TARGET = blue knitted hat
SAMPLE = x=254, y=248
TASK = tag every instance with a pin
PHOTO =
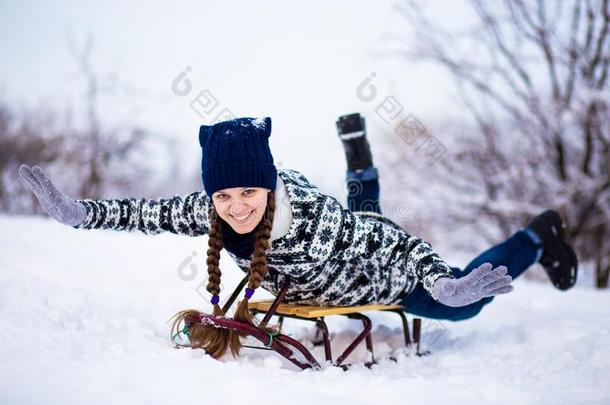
x=236, y=154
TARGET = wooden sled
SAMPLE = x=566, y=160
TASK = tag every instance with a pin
x=282, y=343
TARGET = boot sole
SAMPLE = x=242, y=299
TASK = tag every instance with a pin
x=567, y=277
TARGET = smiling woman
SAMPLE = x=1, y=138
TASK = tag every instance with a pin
x=276, y=224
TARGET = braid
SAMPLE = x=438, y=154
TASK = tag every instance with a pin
x=258, y=265
x=215, y=245
x=215, y=340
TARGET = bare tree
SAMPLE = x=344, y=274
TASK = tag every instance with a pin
x=93, y=160
x=27, y=138
x=534, y=77
x=99, y=150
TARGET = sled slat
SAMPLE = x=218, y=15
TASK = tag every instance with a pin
x=313, y=311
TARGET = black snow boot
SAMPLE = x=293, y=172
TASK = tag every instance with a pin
x=558, y=258
x=351, y=129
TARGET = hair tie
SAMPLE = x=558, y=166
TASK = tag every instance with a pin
x=249, y=292
x=215, y=299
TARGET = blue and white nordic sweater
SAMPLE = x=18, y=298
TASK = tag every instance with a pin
x=333, y=256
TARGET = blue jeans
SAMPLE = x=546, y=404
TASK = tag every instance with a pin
x=517, y=253
x=363, y=190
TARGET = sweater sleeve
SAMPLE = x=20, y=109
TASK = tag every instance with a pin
x=352, y=237
x=426, y=263
x=188, y=215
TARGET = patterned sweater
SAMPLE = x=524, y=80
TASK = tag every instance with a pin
x=333, y=256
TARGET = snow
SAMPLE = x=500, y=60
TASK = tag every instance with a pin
x=259, y=123
x=83, y=321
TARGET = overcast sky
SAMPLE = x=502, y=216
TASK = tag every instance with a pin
x=297, y=62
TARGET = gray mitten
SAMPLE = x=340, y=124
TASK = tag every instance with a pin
x=57, y=205
x=480, y=283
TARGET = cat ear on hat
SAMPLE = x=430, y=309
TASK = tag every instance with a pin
x=266, y=121
x=204, y=133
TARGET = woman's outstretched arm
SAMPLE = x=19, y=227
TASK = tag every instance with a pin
x=353, y=237
x=188, y=215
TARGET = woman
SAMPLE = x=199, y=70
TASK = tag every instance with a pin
x=275, y=223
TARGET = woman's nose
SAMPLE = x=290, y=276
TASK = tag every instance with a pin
x=237, y=207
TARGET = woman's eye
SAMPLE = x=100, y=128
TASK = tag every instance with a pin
x=248, y=192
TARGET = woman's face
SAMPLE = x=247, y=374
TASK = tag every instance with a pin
x=241, y=207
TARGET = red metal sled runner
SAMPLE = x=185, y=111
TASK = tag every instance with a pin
x=282, y=343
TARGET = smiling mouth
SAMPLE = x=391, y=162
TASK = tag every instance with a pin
x=242, y=218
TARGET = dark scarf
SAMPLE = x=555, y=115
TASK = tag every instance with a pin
x=241, y=245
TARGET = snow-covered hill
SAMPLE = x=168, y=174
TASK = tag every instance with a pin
x=82, y=320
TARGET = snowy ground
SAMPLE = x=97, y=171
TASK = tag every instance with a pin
x=82, y=320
